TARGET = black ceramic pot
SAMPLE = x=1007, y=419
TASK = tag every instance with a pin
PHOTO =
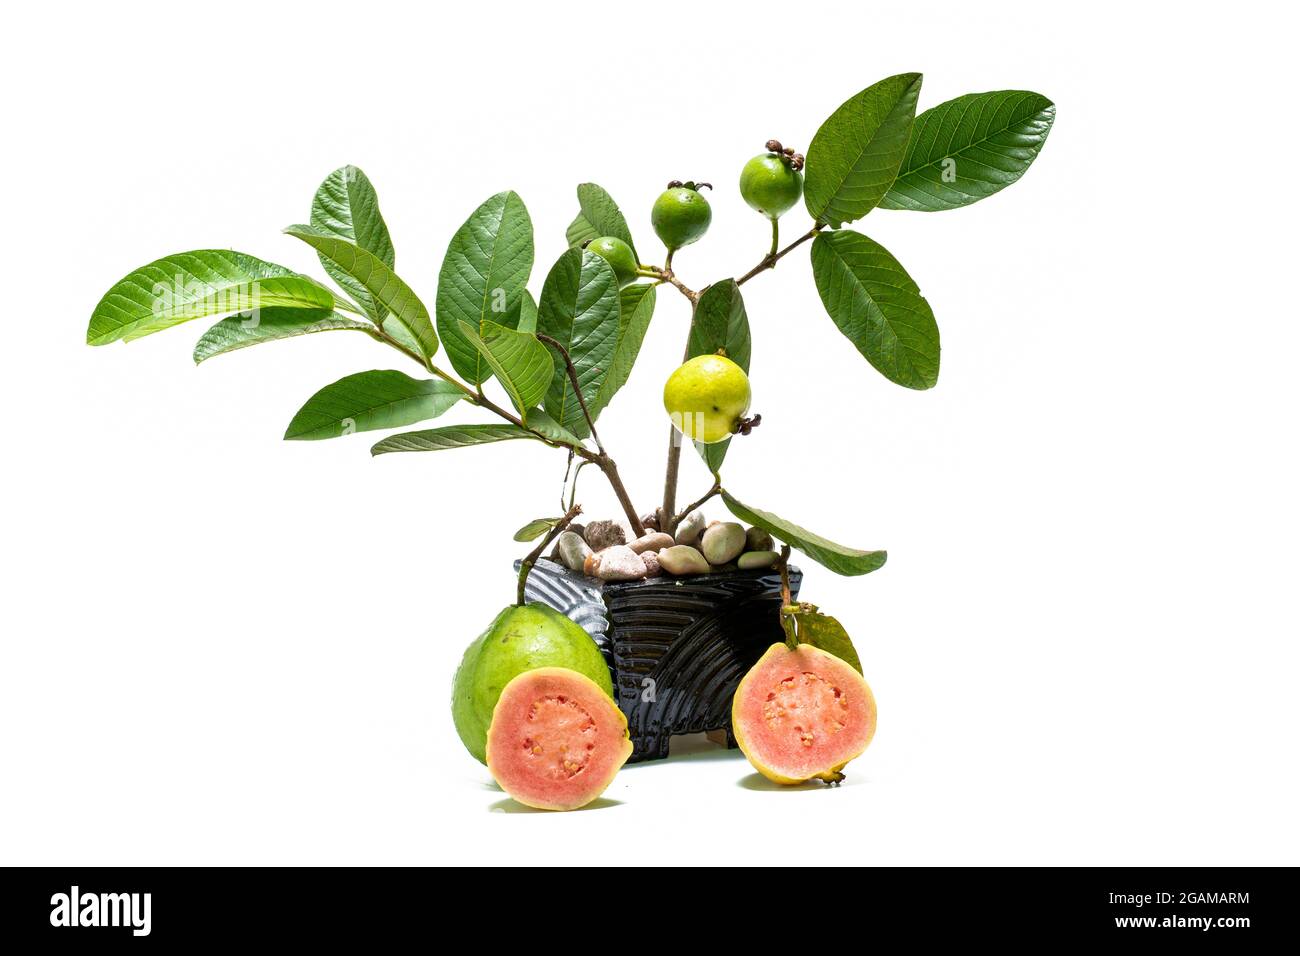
x=676, y=647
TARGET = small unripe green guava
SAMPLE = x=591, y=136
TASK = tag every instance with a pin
x=770, y=185
x=619, y=255
x=680, y=216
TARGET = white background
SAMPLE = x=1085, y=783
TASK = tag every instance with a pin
x=222, y=648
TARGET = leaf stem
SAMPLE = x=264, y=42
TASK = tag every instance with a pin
x=784, y=564
x=527, y=564
x=577, y=386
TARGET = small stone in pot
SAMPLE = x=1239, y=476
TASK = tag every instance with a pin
x=683, y=559
x=619, y=563
x=571, y=550
x=756, y=539
x=604, y=534
x=651, y=561
x=690, y=529
x=723, y=542
x=756, y=560
x=653, y=541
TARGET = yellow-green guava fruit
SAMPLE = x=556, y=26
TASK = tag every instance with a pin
x=519, y=639
x=556, y=739
x=706, y=397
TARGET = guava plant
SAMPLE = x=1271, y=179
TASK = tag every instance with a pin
x=543, y=369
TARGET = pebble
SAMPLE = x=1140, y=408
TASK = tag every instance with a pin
x=756, y=539
x=756, y=560
x=604, y=534
x=572, y=550
x=683, y=559
x=650, y=522
x=651, y=561
x=654, y=541
x=690, y=529
x=619, y=563
x=723, y=542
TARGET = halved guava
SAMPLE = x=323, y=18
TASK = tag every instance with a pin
x=802, y=714
x=556, y=739
x=518, y=640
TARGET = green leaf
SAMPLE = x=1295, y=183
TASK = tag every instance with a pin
x=269, y=325
x=347, y=207
x=599, y=216
x=483, y=276
x=580, y=310
x=390, y=292
x=196, y=285
x=368, y=401
x=636, y=308
x=855, y=156
x=720, y=323
x=837, y=557
x=878, y=307
x=535, y=529
x=451, y=436
x=526, y=314
x=804, y=624
x=539, y=421
x=966, y=149
x=520, y=363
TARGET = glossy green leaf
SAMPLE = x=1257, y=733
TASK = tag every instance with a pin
x=268, y=325
x=535, y=529
x=855, y=155
x=525, y=319
x=542, y=423
x=196, y=285
x=520, y=363
x=878, y=307
x=837, y=557
x=368, y=401
x=636, y=309
x=450, y=436
x=389, y=290
x=720, y=323
x=579, y=308
x=598, y=216
x=966, y=149
x=483, y=276
x=804, y=624
x=347, y=207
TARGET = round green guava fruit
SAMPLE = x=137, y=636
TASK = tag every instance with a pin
x=680, y=216
x=770, y=184
x=520, y=639
x=556, y=739
x=802, y=714
x=706, y=397
x=619, y=255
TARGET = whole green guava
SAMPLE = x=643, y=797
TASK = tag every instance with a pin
x=770, y=184
x=619, y=255
x=680, y=216
x=519, y=639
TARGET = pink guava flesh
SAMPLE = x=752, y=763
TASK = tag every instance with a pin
x=556, y=739
x=800, y=714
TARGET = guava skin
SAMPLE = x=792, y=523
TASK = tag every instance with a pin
x=680, y=216
x=519, y=639
x=770, y=185
x=706, y=397
x=619, y=255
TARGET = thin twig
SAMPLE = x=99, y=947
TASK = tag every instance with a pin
x=527, y=564
x=786, y=599
x=772, y=258
x=698, y=503
x=577, y=386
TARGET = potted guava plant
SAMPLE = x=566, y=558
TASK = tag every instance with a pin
x=658, y=607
